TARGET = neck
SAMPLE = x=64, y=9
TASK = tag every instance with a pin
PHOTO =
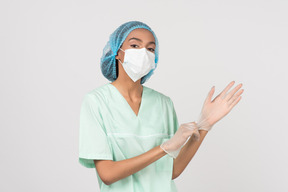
x=128, y=87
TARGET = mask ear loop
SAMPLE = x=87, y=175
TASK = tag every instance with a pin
x=119, y=59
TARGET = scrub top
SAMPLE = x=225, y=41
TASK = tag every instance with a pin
x=110, y=129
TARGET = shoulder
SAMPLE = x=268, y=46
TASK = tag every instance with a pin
x=97, y=94
x=158, y=95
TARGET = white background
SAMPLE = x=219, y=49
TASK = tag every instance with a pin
x=50, y=57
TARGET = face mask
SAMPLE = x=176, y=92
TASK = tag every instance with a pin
x=138, y=62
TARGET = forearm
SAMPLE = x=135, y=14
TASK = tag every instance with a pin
x=113, y=171
x=187, y=153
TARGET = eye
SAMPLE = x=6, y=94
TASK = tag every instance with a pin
x=151, y=49
x=133, y=45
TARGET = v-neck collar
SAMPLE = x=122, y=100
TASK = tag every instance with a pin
x=125, y=101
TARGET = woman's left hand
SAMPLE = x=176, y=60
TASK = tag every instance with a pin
x=213, y=111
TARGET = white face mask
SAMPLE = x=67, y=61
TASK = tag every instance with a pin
x=138, y=62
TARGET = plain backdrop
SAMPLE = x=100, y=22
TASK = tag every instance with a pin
x=50, y=58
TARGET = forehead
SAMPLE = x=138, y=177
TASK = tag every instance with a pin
x=143, y=34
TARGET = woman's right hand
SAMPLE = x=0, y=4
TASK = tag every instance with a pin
x=173, y=146
x=213, y=111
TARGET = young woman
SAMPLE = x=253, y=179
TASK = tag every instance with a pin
x=130, y=132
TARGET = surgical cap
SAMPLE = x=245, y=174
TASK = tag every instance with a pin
x=116, y=39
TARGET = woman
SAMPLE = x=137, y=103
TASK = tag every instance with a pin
x=127, y=129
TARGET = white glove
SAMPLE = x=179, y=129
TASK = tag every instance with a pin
x=173, y=146
x=213, y=111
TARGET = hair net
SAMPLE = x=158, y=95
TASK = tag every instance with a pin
x=116, y=39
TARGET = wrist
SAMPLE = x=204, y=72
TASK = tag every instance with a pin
x=205, y=129
x=161, y=150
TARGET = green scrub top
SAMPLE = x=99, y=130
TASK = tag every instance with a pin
x=109, y=129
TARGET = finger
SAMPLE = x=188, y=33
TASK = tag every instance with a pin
x=190, y=126
x=231, y=93
x=235, y=96
x=191, y=123
x=210, y=95
x=235, y=102
x=193, y=126
x=223, y=93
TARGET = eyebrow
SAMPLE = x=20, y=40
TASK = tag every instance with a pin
x=151, y=42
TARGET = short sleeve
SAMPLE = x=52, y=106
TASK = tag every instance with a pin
x=174, y=123
x=93, y=142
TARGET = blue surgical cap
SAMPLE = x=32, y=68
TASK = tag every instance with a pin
x=116, y=39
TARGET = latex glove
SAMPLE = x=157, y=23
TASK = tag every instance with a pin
x=213, y=111
x=173, y=146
